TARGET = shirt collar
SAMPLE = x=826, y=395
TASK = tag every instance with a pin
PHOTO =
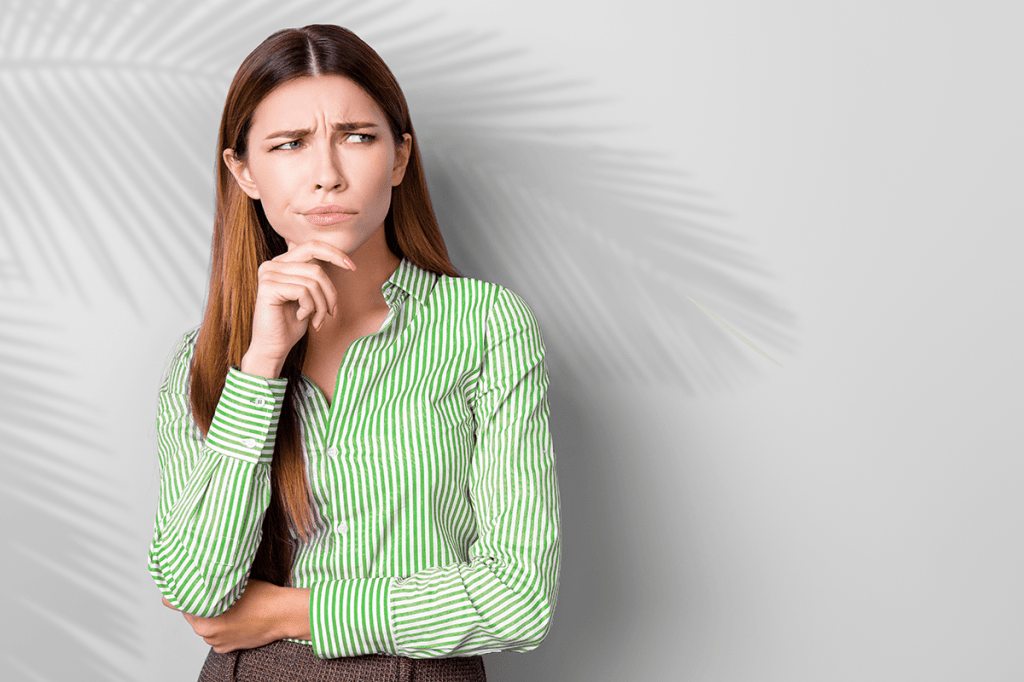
x=411, y=279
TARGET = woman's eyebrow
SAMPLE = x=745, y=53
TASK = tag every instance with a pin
x=288, y=133
x=342, y=127
x=346, y=127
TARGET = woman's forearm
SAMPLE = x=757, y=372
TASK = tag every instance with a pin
x=265, y=613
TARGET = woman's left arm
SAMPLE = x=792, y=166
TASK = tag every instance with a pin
x=503, y=598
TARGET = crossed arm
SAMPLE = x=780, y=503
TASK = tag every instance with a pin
x=265, y=613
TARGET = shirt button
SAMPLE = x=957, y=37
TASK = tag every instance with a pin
x=332, y=451
x=310, y=391
x=342, y=527
x=260, y=402
x=249, y=443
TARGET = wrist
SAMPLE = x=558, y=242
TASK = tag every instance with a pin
x=259, y=364
x=292, y=609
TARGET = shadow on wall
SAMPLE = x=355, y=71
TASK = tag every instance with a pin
x=611, y=249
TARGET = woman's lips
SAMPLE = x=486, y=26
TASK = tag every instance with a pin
x=327, y=215
x=327, y=218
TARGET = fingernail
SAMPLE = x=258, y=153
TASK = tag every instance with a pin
x=350, y=263
x=334, y=310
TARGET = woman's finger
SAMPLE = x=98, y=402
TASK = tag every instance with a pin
x=311, y=250
x=307, y=306
x=306, y=293
x=302, y=273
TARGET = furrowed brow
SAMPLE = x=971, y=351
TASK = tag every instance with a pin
x=340, y=127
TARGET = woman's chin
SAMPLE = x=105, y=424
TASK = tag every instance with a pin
x=353, y=241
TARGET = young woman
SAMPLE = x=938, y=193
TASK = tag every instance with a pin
x=357, y=477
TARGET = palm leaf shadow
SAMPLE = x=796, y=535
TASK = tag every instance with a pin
x=64, y=532
x=112, y=199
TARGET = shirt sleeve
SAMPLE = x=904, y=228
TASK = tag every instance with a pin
x=504, y=597
x=213, y=490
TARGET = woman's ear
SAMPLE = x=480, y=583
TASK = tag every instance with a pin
x=402, y=153
x=240, y=171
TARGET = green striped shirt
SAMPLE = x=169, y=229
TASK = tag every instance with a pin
x=431, y=469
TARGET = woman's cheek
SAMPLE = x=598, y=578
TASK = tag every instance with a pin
x=381, y=187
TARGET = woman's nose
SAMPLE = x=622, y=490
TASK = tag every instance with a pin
x=329, y=173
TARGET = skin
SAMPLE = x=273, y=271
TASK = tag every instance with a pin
x=328, y=283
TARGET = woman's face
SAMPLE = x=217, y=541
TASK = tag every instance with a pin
x=322, y=161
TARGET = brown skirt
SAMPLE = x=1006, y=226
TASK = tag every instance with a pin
x=295, y=662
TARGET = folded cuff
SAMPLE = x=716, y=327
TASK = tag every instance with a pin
x=244, y=424
x=350, y=618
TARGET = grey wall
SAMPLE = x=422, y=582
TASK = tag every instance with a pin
x=840, y=185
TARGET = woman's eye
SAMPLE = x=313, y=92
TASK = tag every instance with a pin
x=361, y=137
x=294, y=144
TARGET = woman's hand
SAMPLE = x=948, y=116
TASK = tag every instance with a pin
x=263, y=614
x=294, y=292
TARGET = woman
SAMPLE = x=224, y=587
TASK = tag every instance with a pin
x=356, y=470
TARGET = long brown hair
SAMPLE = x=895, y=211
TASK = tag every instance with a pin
x=243, y=239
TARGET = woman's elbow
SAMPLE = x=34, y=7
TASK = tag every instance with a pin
x=528, y=617
x=195, y=594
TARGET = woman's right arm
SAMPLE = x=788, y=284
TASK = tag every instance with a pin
x=214, y=490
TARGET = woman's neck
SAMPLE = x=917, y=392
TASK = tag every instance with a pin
x=359, y=292
x=361, y=309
